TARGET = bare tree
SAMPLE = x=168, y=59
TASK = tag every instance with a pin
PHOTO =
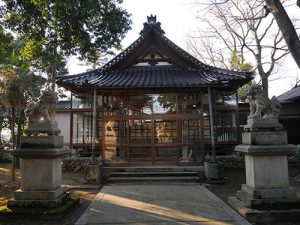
x=286, y=27
x=228, y=29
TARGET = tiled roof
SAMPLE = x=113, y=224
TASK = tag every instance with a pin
x=111, y=76
x=63, y=105
x=290, y=96
x=146, y=77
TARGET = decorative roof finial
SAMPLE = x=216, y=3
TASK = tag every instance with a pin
x=151, y=19
x=151, y=24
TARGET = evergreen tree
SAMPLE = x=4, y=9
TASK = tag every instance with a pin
x=54, y=30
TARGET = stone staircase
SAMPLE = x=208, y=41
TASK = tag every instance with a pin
x=192, y=174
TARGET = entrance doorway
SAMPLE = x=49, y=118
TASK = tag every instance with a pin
x=152, y=141
x=152, y=128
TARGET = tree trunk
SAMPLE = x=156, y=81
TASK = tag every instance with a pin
x=19, y=133
x=265, y=84
x=0, y=136
x=286, y=27
x=54, y=65
x=12, y=127
x=19, y=129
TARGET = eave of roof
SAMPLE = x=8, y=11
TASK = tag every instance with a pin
x=290, y=96
x=158, y=77
x=63, y=105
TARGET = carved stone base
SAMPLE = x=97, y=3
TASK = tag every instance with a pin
x=265, y=138
x=38, y=198
x=41, y=142
x=288, y=201
x=265, y=215
x=264, y=124
x=39, y=195
x=46, y=128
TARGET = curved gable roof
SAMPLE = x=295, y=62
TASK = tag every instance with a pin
x=154, y=61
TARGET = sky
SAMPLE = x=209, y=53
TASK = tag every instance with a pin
x=178, y=19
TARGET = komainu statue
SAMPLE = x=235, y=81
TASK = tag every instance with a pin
x=44, y=109
x=260, y=104
x=41, y=114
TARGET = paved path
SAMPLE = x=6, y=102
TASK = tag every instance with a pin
x=159, y=204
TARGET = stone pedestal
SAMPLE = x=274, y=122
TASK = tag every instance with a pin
x=214, y=172
x=50, y=128
x=92, y=173
x=41, y=161
x=267, y=181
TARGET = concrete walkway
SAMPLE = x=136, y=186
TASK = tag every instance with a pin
x=159, y=204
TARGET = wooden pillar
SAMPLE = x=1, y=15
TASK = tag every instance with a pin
x=177, y=131
x=211, y=120
x=94, y=127
x=237, y=119
x=153, y=141
x=103, y=129
x=71, y=124
x=202, y=139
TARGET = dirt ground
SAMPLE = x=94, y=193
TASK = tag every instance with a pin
x=86, y=193
x=233, y=177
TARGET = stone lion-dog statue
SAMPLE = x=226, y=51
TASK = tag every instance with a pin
x=260, y=104
x=43, y=111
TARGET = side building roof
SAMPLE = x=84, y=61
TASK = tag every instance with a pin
x=292, y=95
x=63, y=105
x=154, y=61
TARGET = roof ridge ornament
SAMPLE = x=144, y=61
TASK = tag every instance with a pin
x=152, y=24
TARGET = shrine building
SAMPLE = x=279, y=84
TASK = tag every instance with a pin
x=152, y=105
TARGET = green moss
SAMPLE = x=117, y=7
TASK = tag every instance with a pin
x=3, y=202
x=4, y=209
x=67, y=204
x=41, y=211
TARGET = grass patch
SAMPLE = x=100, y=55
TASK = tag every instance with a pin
x=3, y=202
x=67, y=204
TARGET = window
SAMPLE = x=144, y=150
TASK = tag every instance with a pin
x=82, y=127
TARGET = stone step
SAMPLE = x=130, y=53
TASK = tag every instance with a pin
x=183, y=179
x=155, y=169
x=151, y=174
